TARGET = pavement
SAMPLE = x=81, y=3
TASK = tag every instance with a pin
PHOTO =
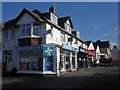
x=93, y=77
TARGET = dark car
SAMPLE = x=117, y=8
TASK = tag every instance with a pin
x=106, y=61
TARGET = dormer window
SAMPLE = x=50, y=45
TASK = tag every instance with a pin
x=67, y=27
x=54, y=18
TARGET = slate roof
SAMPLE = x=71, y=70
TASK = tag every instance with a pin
x=62, y=20
x=88, y=42
x=12, y=22
x=41, y=17
x=101, y=44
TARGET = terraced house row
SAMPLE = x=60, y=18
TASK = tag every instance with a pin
x=42, y=43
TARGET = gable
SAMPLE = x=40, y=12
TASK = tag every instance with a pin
x=26, y=18
x=68, y=22
x=91, y=47
x=98, y=49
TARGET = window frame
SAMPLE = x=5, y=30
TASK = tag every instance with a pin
x=24, y=27
x=9, y=56
x=6, y=33
x=54, y=18
x=12, y=34
x=62, y=37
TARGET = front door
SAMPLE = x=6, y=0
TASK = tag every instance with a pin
x=49, y=63
x=9, y=64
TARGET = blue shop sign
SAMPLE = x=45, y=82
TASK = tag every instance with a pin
x=70, y=48
x=48, y=50
x=38, y=47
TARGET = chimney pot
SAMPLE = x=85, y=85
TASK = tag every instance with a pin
x=52, y=9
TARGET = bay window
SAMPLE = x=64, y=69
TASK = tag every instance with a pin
x=35, y=30
x=29, y=30
x=26, y=29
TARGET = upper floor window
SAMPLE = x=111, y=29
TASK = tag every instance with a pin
x=62, y=37
x=12, y=33
x=76, y=42
x=6, y=34
x=35, y=30
x=67, y=27
x=49, y=31
x=26, y=29
x=54, y=18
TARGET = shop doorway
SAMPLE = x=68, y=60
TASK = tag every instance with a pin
x=67, y=62
x=62, y=62
x=49, y=63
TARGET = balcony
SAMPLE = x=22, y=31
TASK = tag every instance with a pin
x=29, y=41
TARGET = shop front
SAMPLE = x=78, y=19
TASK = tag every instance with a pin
x=91, y=57
x=49, y=58
x=68, y=58
x=46, y=59
x=30, y=59
x=82, y=58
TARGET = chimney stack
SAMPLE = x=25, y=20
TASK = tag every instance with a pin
x=52, y=9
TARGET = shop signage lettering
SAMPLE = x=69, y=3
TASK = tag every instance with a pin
x=70, y=48
x=29, y=48
x=83, y=50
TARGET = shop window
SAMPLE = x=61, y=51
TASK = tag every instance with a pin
x=40, y=64
x=67, y=59
x=24, y=64
x=62, y=61
x=34, y=64
x=49, y=63
x=73, y=62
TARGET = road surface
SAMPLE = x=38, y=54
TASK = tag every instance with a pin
x=93, y=77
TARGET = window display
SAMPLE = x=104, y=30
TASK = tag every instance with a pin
x=73, y=60
x=34, y=64
x=24, y=64
x=31, y=61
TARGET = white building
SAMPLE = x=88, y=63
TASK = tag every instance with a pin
x=115, y=54
x=91, y=52
x=40, y=43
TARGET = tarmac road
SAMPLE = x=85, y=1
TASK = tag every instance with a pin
x=93, y=77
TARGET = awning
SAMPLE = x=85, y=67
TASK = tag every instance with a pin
x=90, y=53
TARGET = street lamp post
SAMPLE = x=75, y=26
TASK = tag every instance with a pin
x=118, y=44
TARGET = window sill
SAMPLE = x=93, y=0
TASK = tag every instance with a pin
x=29, y=36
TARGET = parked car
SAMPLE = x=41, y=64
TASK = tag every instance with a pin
x=106, y=61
